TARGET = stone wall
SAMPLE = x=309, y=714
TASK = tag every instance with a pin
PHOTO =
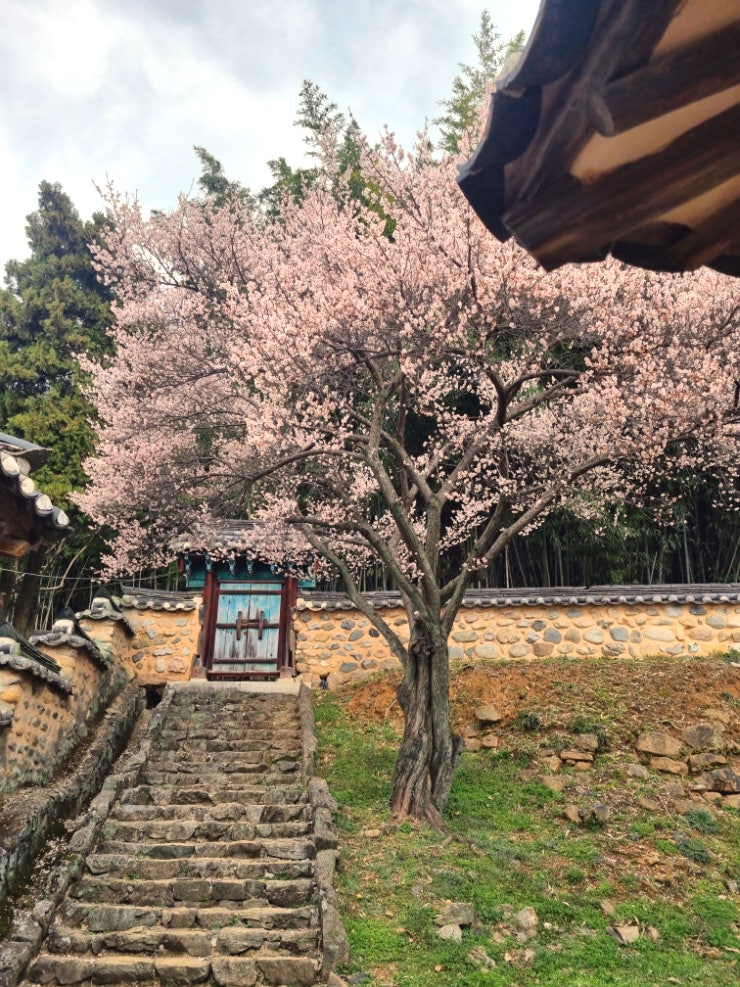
x=164, y=645
x=154, y=637
x=336, y=642
x=44, y=713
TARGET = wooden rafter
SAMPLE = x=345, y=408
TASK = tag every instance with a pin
x=629, y=197
x=674, y=80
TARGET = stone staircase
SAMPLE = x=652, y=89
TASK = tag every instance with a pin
x=214, y=860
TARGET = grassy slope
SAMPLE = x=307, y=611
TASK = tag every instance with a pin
x=509, y=847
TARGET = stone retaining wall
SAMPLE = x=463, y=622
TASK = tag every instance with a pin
x=27, y=816
x=336, y=642
x=46, y=713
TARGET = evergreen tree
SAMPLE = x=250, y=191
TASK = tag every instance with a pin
x=333, y=140
x=52, y=310
x=460, y=119
x=222, y=191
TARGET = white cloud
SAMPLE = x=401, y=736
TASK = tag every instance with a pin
x=125, y=88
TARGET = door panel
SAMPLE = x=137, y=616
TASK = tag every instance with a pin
x=247, y=629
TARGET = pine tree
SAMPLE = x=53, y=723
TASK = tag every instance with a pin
x=52, y=310
x=461, y=117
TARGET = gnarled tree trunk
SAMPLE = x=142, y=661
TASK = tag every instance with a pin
x=429, y=750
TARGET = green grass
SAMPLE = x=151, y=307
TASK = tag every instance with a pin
x=508, y=847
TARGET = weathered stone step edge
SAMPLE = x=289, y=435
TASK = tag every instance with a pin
x=255, y=812
x=221, y=761
x=194, y=891
x=119, y=918
x=241, y=745
x=224, y=760
x=253, y=701
x=225, y=784
x=240, y=735
x=183, y=768
x=285, y=794
x=123, y=866
x=295, y=849
x=218, y=783
x=165, y=941
x=296, y=971
x=194, y=830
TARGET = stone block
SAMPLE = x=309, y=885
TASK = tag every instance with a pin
x=669, y=765
x=573, y=754
x=487, y=651
x=655, y=742
x=704, y=737
x=519, y=651
x=488, y=714
x=665, y=634
x=542, y=649
x=594, y=636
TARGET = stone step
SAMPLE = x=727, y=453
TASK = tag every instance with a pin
x=228, y=760
x=295, y=849
x=184, y=830
x=285, y=794
x=254, y=812
x=204, y=873
x=219, y=745
x=241, y=737
x=119, y=918
x=126, y=866
x=184, y=766
x=232, y=939
x=292, y=971
x=239, y=779
x=193, y=891
x=273, y=708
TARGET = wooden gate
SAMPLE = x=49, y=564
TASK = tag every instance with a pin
x=249, y=623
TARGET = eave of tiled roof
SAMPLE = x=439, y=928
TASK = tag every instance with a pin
x=571, y=596
x=17, y=460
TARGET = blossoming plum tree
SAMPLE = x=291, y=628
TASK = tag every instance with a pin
x=382, y=381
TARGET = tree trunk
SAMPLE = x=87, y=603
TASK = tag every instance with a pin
x=429, y=750
x=27, y=593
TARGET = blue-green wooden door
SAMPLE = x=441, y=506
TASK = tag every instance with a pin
x=247, y=633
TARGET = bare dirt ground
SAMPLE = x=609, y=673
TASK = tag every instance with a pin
x=626, y=695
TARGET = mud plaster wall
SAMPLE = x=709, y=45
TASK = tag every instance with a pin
x=47, y=722
x=340, y=644
x=163, y=647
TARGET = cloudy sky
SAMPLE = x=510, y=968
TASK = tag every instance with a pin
x=123, y=89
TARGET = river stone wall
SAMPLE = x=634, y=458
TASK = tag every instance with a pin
x=155, y=637
x=336, y=642
x=44, y=714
